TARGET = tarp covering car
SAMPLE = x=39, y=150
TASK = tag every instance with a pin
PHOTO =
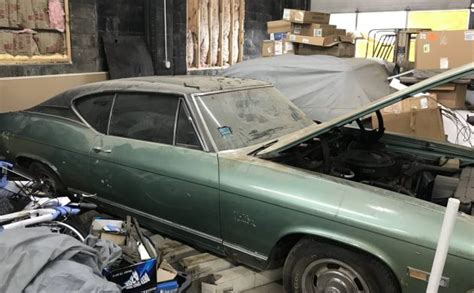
x=324, y=87
x=37, y=260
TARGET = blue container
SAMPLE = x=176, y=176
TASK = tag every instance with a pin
x=3, y=173
x=167, y=287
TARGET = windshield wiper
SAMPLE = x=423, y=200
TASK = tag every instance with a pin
x=258, y=150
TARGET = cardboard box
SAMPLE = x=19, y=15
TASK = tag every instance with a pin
x=414, y=103
x=272, y=48
x=425, y=123
x=418, y=117
x=451, y=95
x=338, y=50
x=315, y=41
x=278, y=36
x=117, y=238
x=302, y=16
x=279, y=26
x=314, y=30
x=288, y=47
x=444, y=49
x=139, y=277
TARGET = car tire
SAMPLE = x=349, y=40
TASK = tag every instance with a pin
x=317, y=266
x=52, y=182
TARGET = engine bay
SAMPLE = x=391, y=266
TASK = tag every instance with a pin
x=359, y=156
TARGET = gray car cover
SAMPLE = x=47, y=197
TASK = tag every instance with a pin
x=37, y=260
x=323, y=87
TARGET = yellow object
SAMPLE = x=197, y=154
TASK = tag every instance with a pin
x=434, y=20
x=439, y=20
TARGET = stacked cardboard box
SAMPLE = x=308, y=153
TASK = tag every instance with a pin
x=417, y=116
x=306, y=33
x=444, y=49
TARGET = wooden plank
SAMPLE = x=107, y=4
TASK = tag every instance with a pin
x=231, y=35
x=209, y=22
x=221, y=33
x=198, y=34
x=241, y=30
x=192, y=22
x=68, y=31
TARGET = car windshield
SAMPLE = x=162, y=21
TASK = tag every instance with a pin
x=247, y=117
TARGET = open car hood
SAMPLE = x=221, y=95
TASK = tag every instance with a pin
x=295, y=138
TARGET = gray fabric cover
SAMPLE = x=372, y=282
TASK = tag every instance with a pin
x=37, y=260
x=323, y=87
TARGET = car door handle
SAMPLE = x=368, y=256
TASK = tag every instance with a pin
x=101, y=150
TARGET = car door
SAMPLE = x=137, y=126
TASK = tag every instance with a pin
x=151, y=161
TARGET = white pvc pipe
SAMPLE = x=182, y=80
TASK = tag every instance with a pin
x=28, y=222
x=443, y=245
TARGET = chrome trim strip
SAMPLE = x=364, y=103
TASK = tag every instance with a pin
x=193, y=123
x=203, y=122
x=245, y=251
x=162, y=221
x=110, y=113
x=232, y=90
x=176, y=117
x=73, y=108
x=425, y=276
x=54, y=116
x=197, y=126
x=186, y=229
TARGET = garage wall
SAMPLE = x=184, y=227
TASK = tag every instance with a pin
x=89, y=19
x=19, y=93
x=341, y=6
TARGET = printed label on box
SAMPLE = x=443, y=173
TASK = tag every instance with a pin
x=422, y=36
x=292, y=38
x=278, y=47
x=299, y=16
x=443, y=63
x=305, y=41
x=424, y=103
x=297, y=29
x=469, y=35
x=426, y=48
x=318, y=32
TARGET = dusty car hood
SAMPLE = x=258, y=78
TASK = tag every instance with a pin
x=295, y=138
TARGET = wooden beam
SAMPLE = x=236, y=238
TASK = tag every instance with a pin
x=198, y=34
x=241, y=30
x=231, y=35
x=209, y=22
x=221, y=33
x=68, y=31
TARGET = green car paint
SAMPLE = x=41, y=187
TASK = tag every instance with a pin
x=242, y=205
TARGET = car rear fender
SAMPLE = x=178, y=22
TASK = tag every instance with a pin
x=25, y=159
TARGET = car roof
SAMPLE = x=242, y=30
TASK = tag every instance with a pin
x=186, y=84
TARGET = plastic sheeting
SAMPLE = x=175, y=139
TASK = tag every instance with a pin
x=323, y=87
x=37, y=260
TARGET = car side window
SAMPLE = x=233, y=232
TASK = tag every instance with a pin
x=185, y=134
x=96, y=111
x=142, y=116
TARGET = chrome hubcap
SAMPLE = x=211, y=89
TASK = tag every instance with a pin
x=332, y=276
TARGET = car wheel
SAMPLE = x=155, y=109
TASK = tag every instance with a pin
x=52, y=183
x=315, y=266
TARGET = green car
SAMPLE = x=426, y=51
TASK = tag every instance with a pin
x=233, y=167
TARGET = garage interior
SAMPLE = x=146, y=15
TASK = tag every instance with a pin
x=236, y=146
